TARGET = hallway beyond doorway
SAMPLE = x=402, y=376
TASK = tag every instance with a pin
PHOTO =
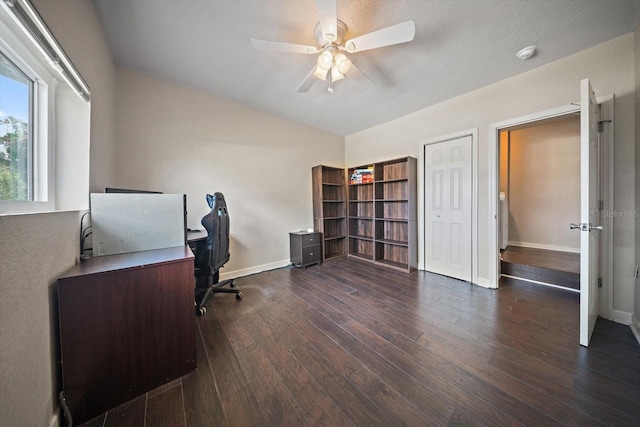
x=552, y=267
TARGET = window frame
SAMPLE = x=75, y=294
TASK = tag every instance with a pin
x=42, y=175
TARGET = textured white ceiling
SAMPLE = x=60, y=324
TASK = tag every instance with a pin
x=460, y=45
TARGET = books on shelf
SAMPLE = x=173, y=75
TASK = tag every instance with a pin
x=362, y=176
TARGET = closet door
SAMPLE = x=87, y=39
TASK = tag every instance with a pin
x=448, y=207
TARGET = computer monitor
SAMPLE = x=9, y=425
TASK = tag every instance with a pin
x=127, y=190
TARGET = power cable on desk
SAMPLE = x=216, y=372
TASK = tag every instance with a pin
x=84, y=233
x=84, y=256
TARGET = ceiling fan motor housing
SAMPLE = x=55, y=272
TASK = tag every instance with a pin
x=322, y=41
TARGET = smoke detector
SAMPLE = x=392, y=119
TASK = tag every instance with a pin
x=526, y=52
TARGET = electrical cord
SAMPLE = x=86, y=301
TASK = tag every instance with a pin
x=84, y=233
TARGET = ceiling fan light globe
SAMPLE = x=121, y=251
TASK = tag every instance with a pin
x=325, y=60
x=336, y=74
x=343, y=63
x=320, y=73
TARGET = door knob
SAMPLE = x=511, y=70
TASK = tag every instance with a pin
x=585, y=227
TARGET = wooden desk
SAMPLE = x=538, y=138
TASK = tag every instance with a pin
x=126, y=326
x=194, y=236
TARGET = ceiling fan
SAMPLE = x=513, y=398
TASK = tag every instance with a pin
x=330, y=34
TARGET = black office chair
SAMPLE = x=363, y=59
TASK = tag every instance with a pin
x=213, y=253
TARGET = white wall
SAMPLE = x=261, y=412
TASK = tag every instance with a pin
x=178, y=140
x=611, y=69
x=544, y=185
x=36, y=249
x=76, y=26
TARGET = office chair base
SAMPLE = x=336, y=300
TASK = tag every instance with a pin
x=203, y=294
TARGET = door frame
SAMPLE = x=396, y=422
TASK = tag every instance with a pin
x=473, y=133
x=606, y=258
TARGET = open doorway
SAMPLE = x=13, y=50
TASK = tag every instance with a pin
x=596, y=188
x=539, y=184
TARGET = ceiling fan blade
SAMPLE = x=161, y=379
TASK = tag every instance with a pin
x=271, y=46
x=327, y=10
x=357, y=73
x=307, y=82
x=399, y=33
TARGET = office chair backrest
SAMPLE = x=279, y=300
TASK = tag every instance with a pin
x=216, y=223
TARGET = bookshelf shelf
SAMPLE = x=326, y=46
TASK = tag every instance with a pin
x=330, y=209
x=382, y=213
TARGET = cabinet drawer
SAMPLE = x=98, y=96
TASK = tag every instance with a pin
x=311, y=239
x=311, y=254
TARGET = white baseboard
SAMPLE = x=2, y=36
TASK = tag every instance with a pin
x=635, y=327
x=253, y=270
x=546, y=247
x=623, y=317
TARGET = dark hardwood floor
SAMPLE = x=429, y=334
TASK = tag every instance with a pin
x=350, y=343
x=553, y=267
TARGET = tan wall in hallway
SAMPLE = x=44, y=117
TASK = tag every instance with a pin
x=544, y=184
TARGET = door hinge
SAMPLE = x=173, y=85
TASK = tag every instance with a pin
x=601, y=125
x=599, y=282
x=600, y=204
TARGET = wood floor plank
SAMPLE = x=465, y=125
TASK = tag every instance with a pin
x=412, y=359
x=202, y=402
x=166, y=409
x=306, y=392
x=241, y=409
x=326, y=413
x=596, y=408
x=346, y=396
x=96, y=421
x=398, y=408
x=554, y=260
x=341, y=359
x=480, y=415
x=222, y=359
x=130, y=414
x=277, y=405
x=355, y=306
x=420, y=392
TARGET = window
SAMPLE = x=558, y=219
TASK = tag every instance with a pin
x=26, y=88
x=44, y=118
x=16, y=142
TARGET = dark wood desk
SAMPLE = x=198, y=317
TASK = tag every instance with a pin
x=126, y=326
x=194, y=236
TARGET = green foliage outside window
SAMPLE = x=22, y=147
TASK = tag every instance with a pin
x=14, y=159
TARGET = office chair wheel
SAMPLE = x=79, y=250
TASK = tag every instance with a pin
x=201, y=311
x=239, y=295
x=232, y=284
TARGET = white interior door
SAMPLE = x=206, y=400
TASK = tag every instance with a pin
x=448, y=207
x=589, y=226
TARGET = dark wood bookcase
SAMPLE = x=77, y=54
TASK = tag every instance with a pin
x=383, y=214
x=330, y=209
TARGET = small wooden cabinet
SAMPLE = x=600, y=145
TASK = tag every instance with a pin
x=306, y=248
